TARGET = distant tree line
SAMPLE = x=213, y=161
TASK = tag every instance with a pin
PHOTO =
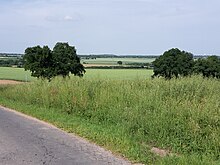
x=10, y=55
x=175, y=63
x=94, y=56
x=11, y=61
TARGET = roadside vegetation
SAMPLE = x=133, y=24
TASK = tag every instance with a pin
x=181, y=116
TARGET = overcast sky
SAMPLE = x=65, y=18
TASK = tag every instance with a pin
x=112, y=26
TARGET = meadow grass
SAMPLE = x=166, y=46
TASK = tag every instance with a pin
x=130, y=117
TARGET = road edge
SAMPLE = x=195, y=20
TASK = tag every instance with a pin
x=81, y=139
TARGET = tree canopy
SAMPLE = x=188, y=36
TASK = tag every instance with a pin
x=173, y=63
x=44, y=63
x=208, y=67
x=119, y=62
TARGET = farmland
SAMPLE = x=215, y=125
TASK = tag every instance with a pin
x=21, y=75
x=127, y=112
x=113, y=61
x=92, y=71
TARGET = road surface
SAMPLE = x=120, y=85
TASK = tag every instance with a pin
x=27, y=141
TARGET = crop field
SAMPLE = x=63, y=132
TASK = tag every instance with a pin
x=126, y=74
x=113, y=61
x=7, y=58
x=118, y=74
x=19, y=74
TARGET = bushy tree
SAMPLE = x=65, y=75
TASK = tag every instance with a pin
x=44, y=63
x=173, y=63
x=208, y=67
x=119, y=62
x=39, y=61
x=65, y=60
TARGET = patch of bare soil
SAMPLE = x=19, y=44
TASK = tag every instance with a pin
x=6, y=82
x=161, y=152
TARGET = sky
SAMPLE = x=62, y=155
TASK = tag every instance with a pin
x=123, y=27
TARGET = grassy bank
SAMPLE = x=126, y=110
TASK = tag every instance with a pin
x=130, y=117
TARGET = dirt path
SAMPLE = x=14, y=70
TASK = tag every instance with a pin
x=5, y=82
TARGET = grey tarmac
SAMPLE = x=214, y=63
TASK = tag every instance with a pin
x=28, y=141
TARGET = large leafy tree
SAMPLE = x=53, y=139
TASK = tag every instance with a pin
x=65, y=60
x=39, y=61
x=173, y=63
x=44, y=63
x=208, y=67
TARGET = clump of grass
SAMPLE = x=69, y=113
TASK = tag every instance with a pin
x=131, y=116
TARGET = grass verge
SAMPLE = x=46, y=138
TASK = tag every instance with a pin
x=131, y=116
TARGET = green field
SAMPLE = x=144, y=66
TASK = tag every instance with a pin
x=21, y=75
x=118, y=74
x=11, y=73
x=8, y=58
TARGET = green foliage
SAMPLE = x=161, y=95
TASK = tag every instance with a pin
x=65, y=60
x=39, y=61
x=44, y=63
x=192, y=159
x=11, y=61
x=119, y=62
x=173, y=63
x=131, y=116
x=208, y=67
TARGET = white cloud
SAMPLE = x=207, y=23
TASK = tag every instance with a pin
x=74, y=17
x=68, y=18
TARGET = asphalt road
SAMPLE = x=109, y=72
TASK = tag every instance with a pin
x=28, y=141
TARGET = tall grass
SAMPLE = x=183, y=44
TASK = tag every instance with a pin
x=132, y=116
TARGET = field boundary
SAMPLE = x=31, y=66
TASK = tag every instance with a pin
x=7, y=82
